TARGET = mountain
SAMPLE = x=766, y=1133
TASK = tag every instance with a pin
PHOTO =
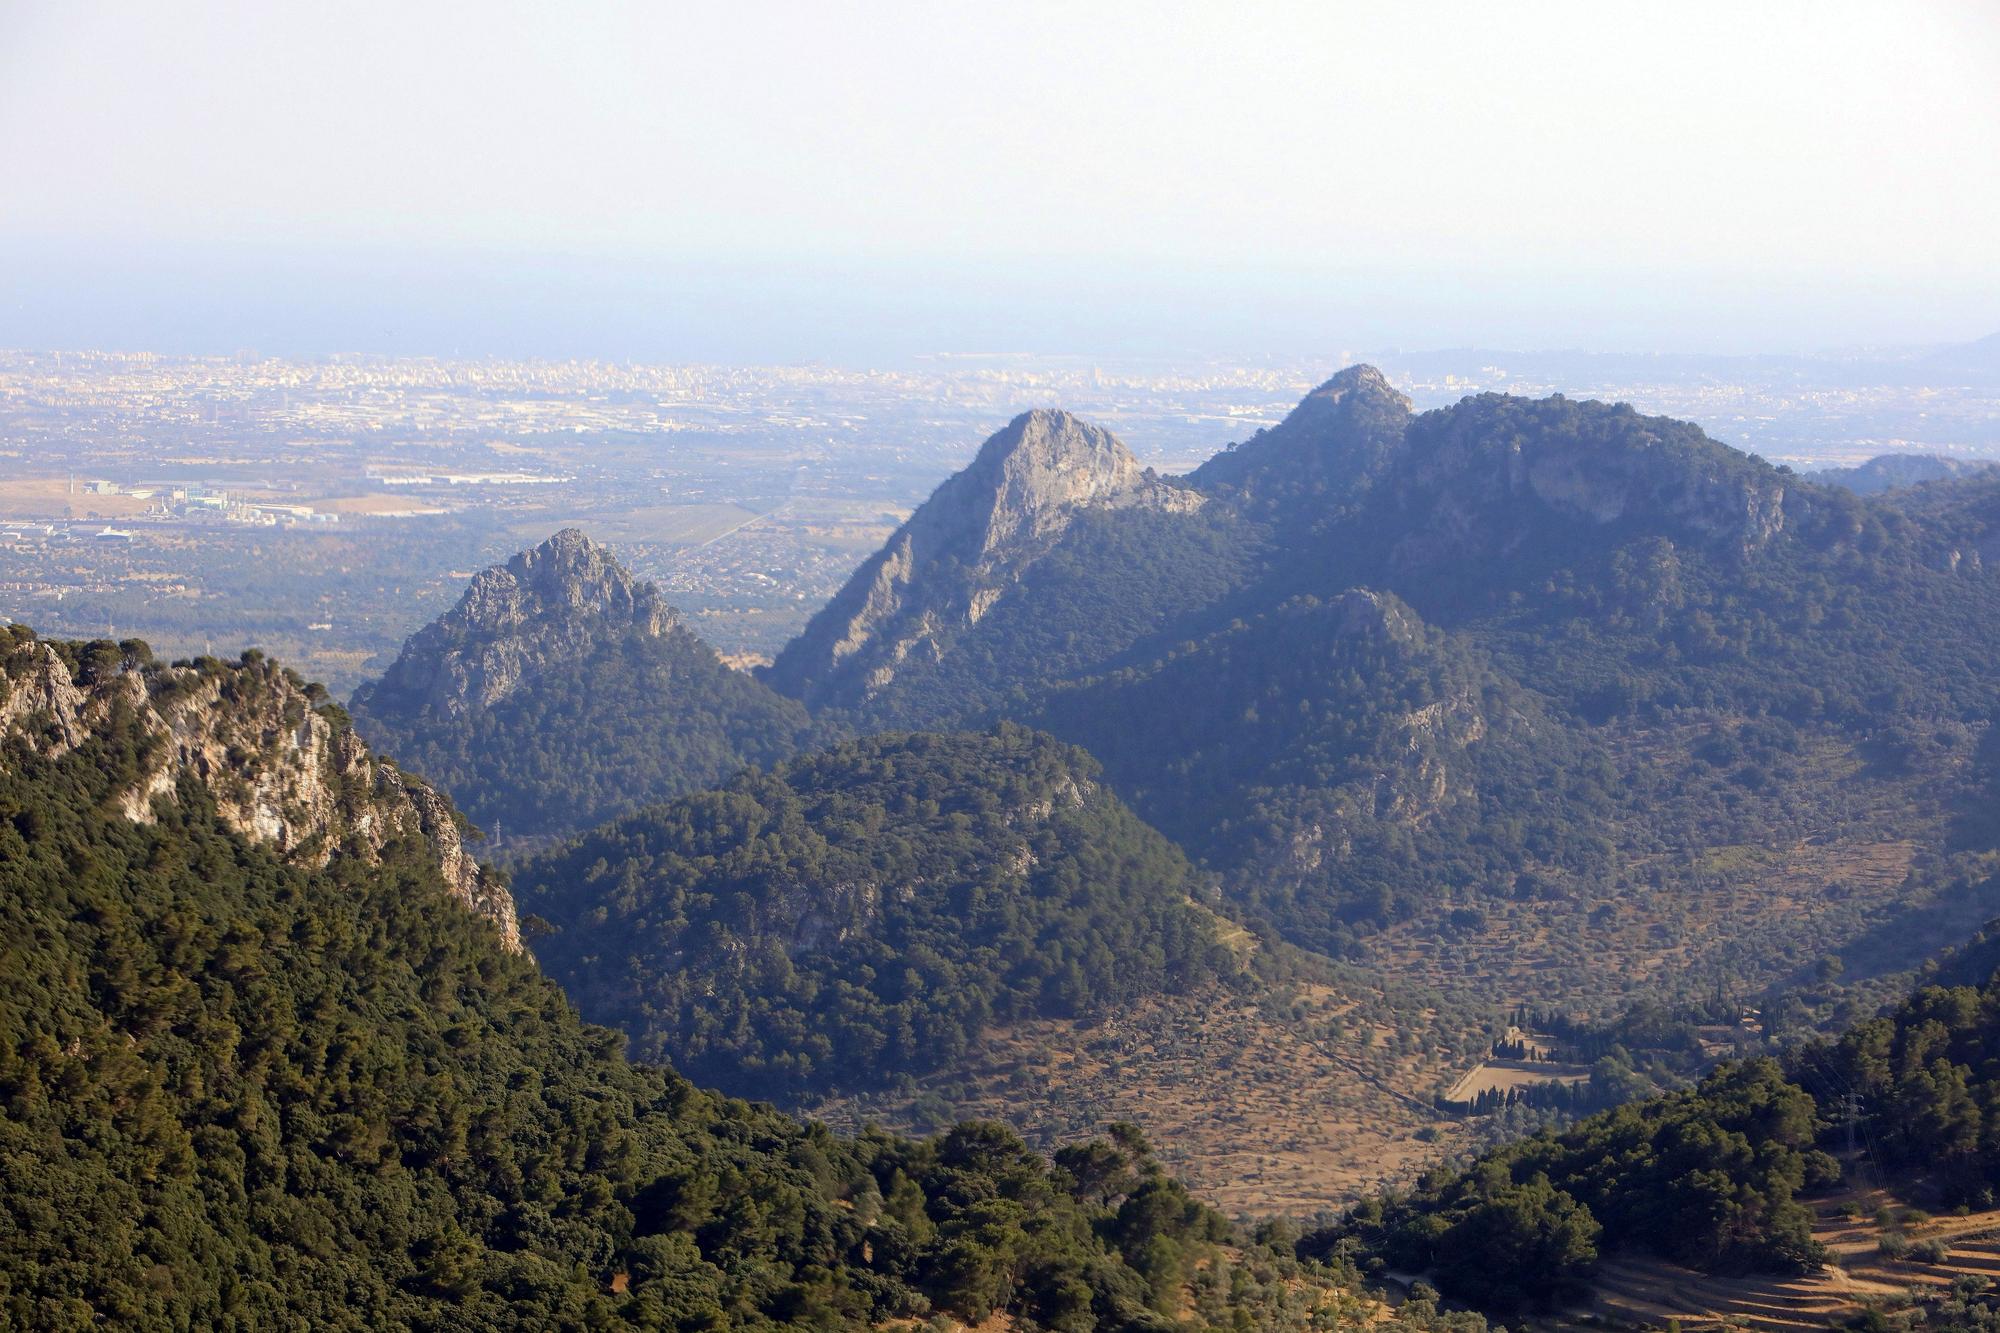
x=1975, y=362
x=560, y=690
x=1484, y=499
x=1496, y=476
x=1329, y=449
x=969, y=547
x=867, y=912
x=1343, y=748
x=1544, y=701
x=1888, y=472
x=263, y=1064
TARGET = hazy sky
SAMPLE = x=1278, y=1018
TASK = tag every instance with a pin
x=853, y=180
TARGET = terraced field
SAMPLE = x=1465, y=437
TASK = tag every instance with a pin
x=1653, y=1293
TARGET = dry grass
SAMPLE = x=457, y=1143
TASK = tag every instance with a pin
x=1255, y=1116
x=49, y=497
x=1501, y=1075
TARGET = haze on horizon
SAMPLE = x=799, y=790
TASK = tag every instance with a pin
x=861, y=183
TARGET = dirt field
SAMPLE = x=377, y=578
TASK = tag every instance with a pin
x=1256, y=1117
x=1500, y=1075
x=49, y=497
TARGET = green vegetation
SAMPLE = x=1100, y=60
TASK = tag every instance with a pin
x=866, y=911
x=236, y=1094
x=640, y=719
x=1626, y=673
x=1711, y=1176
x=560, y=692
x=1707, y=1176
x=1343, y=747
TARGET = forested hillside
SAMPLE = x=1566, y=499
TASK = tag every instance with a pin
x=242, y=1091
x=1515, y=702
x=868, y=911
x=1712, y=1177
x=561, y=691
x=1342, y=747
x=1635, y=666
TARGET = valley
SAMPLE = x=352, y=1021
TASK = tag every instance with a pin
x=1431, y=831
x=1031, y=668
x=1389, y=800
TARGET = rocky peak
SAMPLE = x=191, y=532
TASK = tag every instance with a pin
x=281, y=765
x=948, y=565
x=569, y=574
x=1362, y=613
x=1042, y=465
x=544, y=607
x=1358, y=384
x=1332, y=444
x=1495, y=473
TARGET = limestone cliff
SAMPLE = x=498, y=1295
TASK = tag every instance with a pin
x=1493, y=474
x=279, y=761
x=544, y=607
x=963, y=550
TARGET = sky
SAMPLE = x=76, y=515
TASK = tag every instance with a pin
x=869, y=181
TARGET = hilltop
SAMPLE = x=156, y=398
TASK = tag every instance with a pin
x=561, y=690
x=984, y=531
x=868, y=911
x=273, y=754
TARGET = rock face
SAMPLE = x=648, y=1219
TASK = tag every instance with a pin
x=283, y=768
x=1417, y=768
x=1310, y=727
x=959, y=554
x=543, y=607
x=1492, y=474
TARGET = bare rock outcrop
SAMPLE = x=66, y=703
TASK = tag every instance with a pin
x=963, y=549
x=283, y=769
x=546, y=605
